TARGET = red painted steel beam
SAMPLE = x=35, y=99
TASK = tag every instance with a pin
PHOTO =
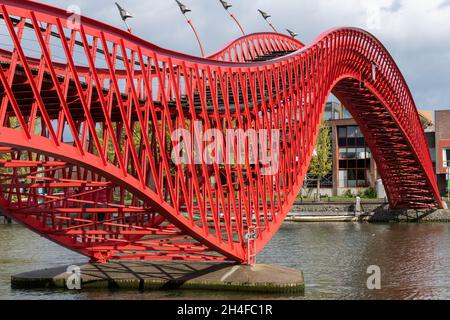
x=85, y=148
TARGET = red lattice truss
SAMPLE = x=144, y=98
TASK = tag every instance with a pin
x=86, y=116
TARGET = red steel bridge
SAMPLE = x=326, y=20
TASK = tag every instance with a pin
x=87, y=113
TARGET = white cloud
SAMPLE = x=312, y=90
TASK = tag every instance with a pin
x=414, y=31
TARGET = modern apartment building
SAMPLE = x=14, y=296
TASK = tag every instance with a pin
x=442, y=148
x=354, y=170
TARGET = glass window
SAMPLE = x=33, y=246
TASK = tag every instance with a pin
x=342, y=132
x=446, y=157
x=328, y=111
x=351, y=131
x=352, y=183
x=352, y=178
x=354, y=158
x=433, y=155
x=351, y=153
x=351, y=173
x=362, y=154
x=336, y=114
x=351, y=142
x=360, y=142
x=360, y=163
x=361, y=174
x=358, y=133
x=342, y=178
x=342, y=142
x=346, y=114
x=368, y=178
x=331, y=111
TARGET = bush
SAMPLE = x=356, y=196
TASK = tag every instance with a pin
x=348, y=194
x=370, y=193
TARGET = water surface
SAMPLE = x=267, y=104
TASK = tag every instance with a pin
x=414, y=261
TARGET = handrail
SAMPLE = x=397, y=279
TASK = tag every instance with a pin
x=153, y=91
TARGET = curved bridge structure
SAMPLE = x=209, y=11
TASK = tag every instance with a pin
x=87, y=112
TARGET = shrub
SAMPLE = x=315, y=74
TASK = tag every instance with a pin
x=348, y=194
x=370, y=193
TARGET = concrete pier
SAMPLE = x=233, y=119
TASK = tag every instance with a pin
x=168, y=276
x=5, y=219
x=368, y=211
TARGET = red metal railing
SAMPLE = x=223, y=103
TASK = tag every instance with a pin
x=86, y=120
x=253, y=46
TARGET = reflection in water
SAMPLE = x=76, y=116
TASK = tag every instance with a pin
x=412, y=263
x=334, y=257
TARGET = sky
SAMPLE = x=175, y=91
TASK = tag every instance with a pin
x=416, y=32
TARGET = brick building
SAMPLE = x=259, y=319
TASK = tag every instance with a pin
x=442, y=147
x=354, y=170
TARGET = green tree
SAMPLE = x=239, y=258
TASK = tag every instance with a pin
x=321, y=163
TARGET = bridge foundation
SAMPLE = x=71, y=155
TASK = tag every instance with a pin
x=5, y=219
x=167, y=276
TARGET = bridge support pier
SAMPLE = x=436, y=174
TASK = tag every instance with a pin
x=6, y=220
x=168, y=275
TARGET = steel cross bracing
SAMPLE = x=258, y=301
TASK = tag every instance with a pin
x=86, y=116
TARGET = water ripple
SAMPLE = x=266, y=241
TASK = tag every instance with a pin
x=334, y=257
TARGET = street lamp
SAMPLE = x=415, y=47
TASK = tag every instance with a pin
x=124, y=14
x=227, y=6
x=266, y=17
x=185, y=10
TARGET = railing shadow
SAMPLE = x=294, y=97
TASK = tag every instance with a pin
x=174, y=274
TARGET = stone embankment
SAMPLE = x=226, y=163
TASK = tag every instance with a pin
x=370, y=211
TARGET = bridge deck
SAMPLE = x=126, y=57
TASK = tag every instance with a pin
x=378, y=122
x=87, y=115
x=25, y=97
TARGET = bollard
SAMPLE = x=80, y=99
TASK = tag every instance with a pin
x=358, y=209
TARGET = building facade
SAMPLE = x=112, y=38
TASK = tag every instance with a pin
x=354, y=169
x=442, y=148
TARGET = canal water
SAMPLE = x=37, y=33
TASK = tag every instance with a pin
x=414, y=260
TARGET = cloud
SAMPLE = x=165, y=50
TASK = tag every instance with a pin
x=416, y=32
x=444, y=4
x=395, y=6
